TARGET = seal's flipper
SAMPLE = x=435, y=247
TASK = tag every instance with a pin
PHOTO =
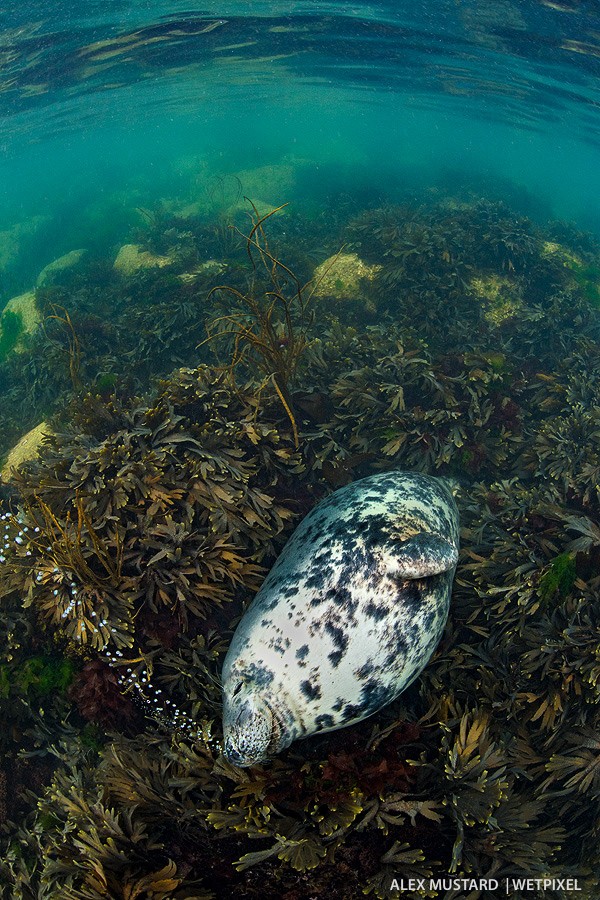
x=423, y=555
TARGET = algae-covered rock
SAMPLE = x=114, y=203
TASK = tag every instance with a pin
x=206, y=205
x=225, y=193
x=26, y=449
x=212, y=268
x=344, y=277
x=20, y=316
x=581, y=274
x=556, y=251
x=54, y=269
x=131, y=259
x=11, y=329
x=9, y=247
x=584, y=275
x=588, y=279
x=501, y=297
x=268, y=181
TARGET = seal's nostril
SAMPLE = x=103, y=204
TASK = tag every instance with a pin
x=233, y=756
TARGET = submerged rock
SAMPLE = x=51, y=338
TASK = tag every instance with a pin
x=501, y=297
x=212, y=268
x=26, y=449
x=25, y=308
x=131, y=259
x=343, y=277
x=13, y=241
x=50, y=272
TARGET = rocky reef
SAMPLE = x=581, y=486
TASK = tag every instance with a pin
x=134, y=540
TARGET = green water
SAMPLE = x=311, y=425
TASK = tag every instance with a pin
x=350, y=143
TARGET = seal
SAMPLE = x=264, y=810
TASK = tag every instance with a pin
x=346, y=619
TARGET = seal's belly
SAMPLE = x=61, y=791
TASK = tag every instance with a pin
x=345, y=662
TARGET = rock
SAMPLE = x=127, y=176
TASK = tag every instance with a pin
x=212, y=268
x=224, y=194
x=131, y=259
x=343, y=277
x=583, y=275
x=27, y=448
x=50, y=272
x=500, y=296
x=23, y=306
x=553, y=250
x=13, y=241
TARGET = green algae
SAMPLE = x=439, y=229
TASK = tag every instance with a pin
x=37, y=677
x=11, y=329
x=559, y=578
x=588, y=279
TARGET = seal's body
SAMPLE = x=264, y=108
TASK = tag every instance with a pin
x=348, y=616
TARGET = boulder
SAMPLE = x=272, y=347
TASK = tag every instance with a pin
x=131, y=259
x=344, y=277
x=53, y=270
x=26, y=448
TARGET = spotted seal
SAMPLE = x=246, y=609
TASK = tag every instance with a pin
x=347, y=618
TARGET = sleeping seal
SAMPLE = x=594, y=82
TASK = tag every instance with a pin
x=346, y=619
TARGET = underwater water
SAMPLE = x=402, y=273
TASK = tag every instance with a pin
x=249, y=254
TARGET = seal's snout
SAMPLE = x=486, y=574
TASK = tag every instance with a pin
x=233, y=755
x=248, y=732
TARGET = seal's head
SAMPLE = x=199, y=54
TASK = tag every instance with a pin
x=248, y=727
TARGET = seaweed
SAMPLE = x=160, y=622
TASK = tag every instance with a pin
x=11, y=329
x=73, y=348
x=559, y=578
x=37, y=676
x=270, y=330
x=157, y=517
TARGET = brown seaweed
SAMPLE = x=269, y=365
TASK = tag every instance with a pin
x=161, y=516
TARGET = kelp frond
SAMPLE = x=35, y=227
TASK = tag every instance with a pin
x=270, y=331
x=73, y=349
x=75, y=544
